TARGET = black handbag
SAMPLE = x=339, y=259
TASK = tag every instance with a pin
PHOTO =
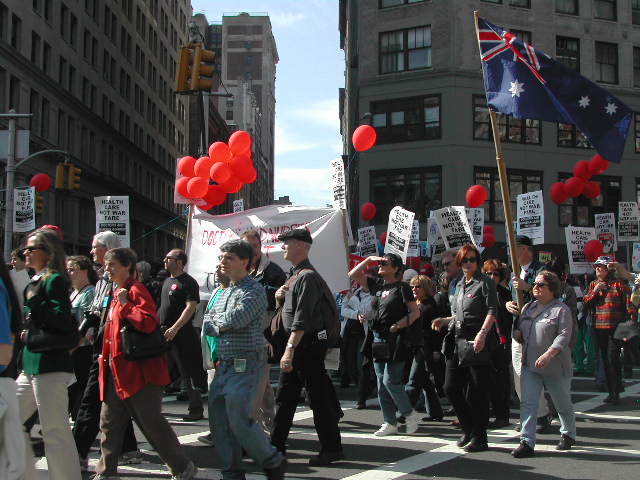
x=626, y=330
x=277, y=337
x=381, y=351
x=467, y=357
x=137, y=345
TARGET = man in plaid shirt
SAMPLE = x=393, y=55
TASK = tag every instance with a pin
x=610, y=301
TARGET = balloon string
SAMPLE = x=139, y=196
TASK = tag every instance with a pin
x=157, y=228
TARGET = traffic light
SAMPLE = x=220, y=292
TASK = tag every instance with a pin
x=202, y=69
x=182, y=77
x=39, y=203
x=74, y=177
x=60, y=174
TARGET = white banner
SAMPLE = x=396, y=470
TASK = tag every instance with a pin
x=399, y=232
x=112, y=213
x=628, y=217
x=606, y=231
x=238, y=205
x=24, y=209
x=475, y=217
x=338, y=184
x=454, y=226
x=530, y=220
x=577, y=238
x=435, y=240
x=367, y=244
x=328, y=252
x=414, y=247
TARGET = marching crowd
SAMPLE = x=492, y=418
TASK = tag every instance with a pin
x=90, y=345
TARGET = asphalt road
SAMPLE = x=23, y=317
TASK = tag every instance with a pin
x=608, y=446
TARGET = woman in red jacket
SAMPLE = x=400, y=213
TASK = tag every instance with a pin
x=133, y=388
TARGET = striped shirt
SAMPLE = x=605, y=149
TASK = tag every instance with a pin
x=611, y=304
x=239, y=310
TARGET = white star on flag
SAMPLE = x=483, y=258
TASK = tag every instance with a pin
x=584, y=102
x=516, y=88
x=611, y=108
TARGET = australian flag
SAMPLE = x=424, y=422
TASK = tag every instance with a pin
x=527, y=83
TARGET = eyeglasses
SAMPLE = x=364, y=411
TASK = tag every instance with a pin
x=469, y=259
x=31, y=249
x=492, y=274
x=540, y=284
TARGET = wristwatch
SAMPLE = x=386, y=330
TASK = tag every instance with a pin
x=290, y=345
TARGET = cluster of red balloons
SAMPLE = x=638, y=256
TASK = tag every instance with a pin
x=580, y=183
x=364, y=137
x=41, y=181
x=368, y=211
x=476, y=196
x=230, y=166
x=593, y=249
x=488, y=236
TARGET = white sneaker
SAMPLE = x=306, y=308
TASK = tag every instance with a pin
x=412, y=422
x=386, y=429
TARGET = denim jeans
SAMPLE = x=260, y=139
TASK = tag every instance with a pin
x=560, y=390
x=391, y=393
x=231, y=402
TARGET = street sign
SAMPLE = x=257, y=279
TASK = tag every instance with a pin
x=22, y=144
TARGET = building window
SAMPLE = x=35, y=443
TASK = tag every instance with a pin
x=35, y=48
x=636, y=66
x=520, y=3
x=579, y=211
x=520, y=181
x=606, y=62
x=569, y=136
x=393, y=3
x=418, y=190
x=405, y=50
x=229, y=115
x=512, y=130
x=16, y=32
x=493, y=1
x=635, y=12
x=636, y=124
x=568, y=52
x=567, y=6
x=407, y=119
x=605, y=9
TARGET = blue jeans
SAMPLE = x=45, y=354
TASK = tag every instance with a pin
x=231, y=400
x=391, y=393
x=560, y=390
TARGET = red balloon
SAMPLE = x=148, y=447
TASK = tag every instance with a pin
x=368, y=211
x=219, y=152
x=476, y=196
x=181, y=186
x=598, y=164
x=185, y=166
x=574, y=186
x=232, y=185
x=206, y=207
x=203, y=167
x=364, y=137
x=240, y=164
x=593, y=249
x=215, y=195
x=489, y=240
x=488, y=229
x=559, y=193
x=252, y=175
x=240, y=142
x=247, y=175
x=582, y=170
x=220, y=172
x=197, y=187
x=383, y=238
x=41, y=181
x=591, y=189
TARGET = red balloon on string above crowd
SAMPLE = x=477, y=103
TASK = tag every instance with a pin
x=364, y=137
x=476, y=196
x=41, y=182
x=368, y=211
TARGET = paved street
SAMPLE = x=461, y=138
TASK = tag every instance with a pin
x=608, y=446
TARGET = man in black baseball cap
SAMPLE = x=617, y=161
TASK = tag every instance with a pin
x=301, y=234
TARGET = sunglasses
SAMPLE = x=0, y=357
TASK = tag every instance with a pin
x=540, y=284
x=383, y=263
x=492, y=274
x=469, y=260
x=31, y=249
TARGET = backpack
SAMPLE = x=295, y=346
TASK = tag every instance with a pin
x=332, y=323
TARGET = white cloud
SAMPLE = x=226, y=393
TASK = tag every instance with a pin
x=286, y=19
x=323, y=112
x=305, y=186
x=286, y=142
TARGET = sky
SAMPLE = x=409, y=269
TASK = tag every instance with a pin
x=308, y=76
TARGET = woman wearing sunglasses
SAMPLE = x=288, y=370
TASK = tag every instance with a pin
x=469, y=340
x=546, y=325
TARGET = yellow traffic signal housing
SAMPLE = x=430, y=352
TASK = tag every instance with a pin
x=203, y=69
x=39, y=203
x=74, y=177
x=60, y=174
x=183, y=75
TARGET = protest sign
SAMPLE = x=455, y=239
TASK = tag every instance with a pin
x=545, y=257
x=338, y=184
x=238, y=205
x=606, y=231
x=399, y=232
x=435, y=240
x=476, y=222
x=367, y=244
x=112, y=213
x=328, y=253
x=628, y=217
x=414, y=247
x=454, y=226
x=577, y=238
x=530, y=220
x=24, y=209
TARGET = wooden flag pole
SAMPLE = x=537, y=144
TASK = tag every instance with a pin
x=504, y=184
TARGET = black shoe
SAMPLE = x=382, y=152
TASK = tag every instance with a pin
x=499, y=423
x=543, y=424
x=522, y=451
x=463, y=440
x=193, y=417
x=476, y=446
x=276, y=473
x=182, y=396
x=326, y=458
x=613, y=399
x=565, y=443
x=206, y=439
